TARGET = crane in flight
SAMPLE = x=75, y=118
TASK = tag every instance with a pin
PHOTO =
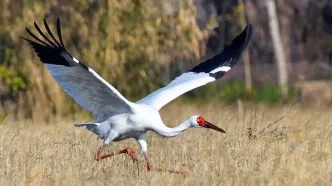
x=116, y=117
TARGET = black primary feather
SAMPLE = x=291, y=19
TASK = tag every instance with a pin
x=41, y=33
x=50, y=33
x=35, y=37
x=52, y=53
x=59, y=32
x=228, y=57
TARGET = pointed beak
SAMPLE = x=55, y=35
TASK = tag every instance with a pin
x=211, y=126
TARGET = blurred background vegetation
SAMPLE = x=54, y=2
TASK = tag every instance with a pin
x=140, y=45
x=127, y=42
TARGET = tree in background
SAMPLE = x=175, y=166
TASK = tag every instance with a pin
x=278, y=47
x=246, y=56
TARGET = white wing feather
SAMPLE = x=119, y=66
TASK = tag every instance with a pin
x=175, y=88
x=90, y=91
x=208, y=71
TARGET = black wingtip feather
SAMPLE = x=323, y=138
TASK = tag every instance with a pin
x=228, y=57
x=59, y=32
x=52, y=52
x=35, y=37
x=50, y=33
x=239, y=45
x=28, y=40
x=44, y=36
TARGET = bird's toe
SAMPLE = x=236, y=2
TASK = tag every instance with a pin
x=149, y=167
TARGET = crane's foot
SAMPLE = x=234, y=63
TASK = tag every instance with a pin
x=149, y=167
x=172, y=171
x=177, y=172
x=130, y=152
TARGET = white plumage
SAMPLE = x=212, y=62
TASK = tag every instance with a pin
x=116, y=117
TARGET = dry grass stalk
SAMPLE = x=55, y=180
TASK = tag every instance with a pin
x=295, y=152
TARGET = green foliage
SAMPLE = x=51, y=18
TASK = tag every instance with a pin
x=231, y=92
x=12, y=79
x=235, y=17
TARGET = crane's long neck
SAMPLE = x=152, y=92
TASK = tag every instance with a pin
x=165, y=131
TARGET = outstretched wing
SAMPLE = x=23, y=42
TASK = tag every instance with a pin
x=208, y=71
x=80, y=82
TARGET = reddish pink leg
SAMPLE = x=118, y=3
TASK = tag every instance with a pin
x=127, y=150
x=130, y=152
x=149, y=166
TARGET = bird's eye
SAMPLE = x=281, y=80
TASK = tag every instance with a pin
x=201, y=121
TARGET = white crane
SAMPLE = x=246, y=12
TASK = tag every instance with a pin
x=117, y=118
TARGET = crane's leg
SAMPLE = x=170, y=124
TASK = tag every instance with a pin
x=148, y=165
x=127, y=150
x=142, y=141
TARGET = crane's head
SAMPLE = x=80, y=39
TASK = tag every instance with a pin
x=199, y=121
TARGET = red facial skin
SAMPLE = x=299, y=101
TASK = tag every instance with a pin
x=203, y=123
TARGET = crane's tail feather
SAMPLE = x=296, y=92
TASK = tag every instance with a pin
x=95, y=128
x=84, y=124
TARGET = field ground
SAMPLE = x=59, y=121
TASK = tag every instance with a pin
x=288, y=146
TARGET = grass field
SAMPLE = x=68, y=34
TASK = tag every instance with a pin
x=288, y=146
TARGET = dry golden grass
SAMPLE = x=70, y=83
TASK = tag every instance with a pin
x=294, y=150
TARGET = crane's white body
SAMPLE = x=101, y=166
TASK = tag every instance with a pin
x=117, y=118
x=130, y=125
x=135, y=125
